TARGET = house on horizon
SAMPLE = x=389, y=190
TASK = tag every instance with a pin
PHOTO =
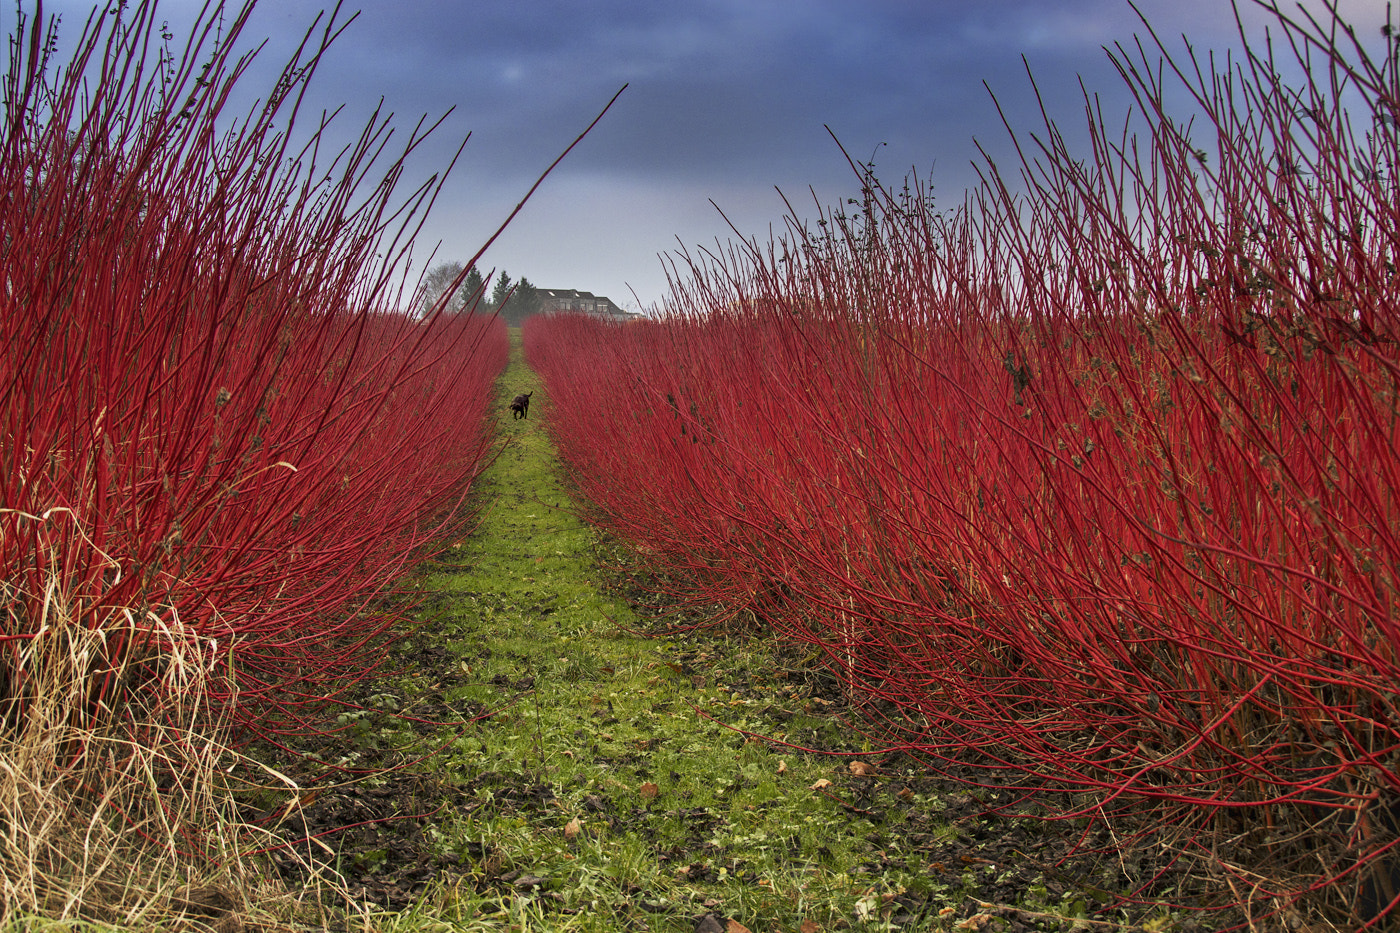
x=580, y=302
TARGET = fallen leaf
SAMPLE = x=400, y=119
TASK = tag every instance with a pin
x=862, y=769
x=572, y=828
x=782, y=767
x=734, y=926
x=648, y=790
x=821, y=784
x=810, y=926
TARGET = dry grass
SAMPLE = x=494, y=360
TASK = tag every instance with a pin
x=115, y=804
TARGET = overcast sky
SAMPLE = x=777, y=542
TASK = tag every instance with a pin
x=726, y=102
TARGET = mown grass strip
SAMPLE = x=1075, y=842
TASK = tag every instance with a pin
x=601, y=800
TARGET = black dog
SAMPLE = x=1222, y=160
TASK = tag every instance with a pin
x=520, y=408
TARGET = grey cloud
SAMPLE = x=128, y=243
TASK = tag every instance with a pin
x=727, y=100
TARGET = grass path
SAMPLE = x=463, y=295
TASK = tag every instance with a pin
x=599, y=799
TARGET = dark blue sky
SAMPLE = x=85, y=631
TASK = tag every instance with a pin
x=726, y=102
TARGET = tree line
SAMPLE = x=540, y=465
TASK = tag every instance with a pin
x=514, y=300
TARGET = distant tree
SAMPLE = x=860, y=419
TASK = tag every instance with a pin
x=473, y=286
x=501, y=290
x=514, y=300
x=436, y=283
x=525, y=301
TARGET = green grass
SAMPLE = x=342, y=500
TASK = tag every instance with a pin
x=638, y=811
x=608, y=792
x=585, y=777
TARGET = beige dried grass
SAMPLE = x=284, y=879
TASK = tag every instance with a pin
x=112, y=807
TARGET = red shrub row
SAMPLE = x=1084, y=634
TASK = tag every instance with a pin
x=1092, y=485
x=218, y=442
